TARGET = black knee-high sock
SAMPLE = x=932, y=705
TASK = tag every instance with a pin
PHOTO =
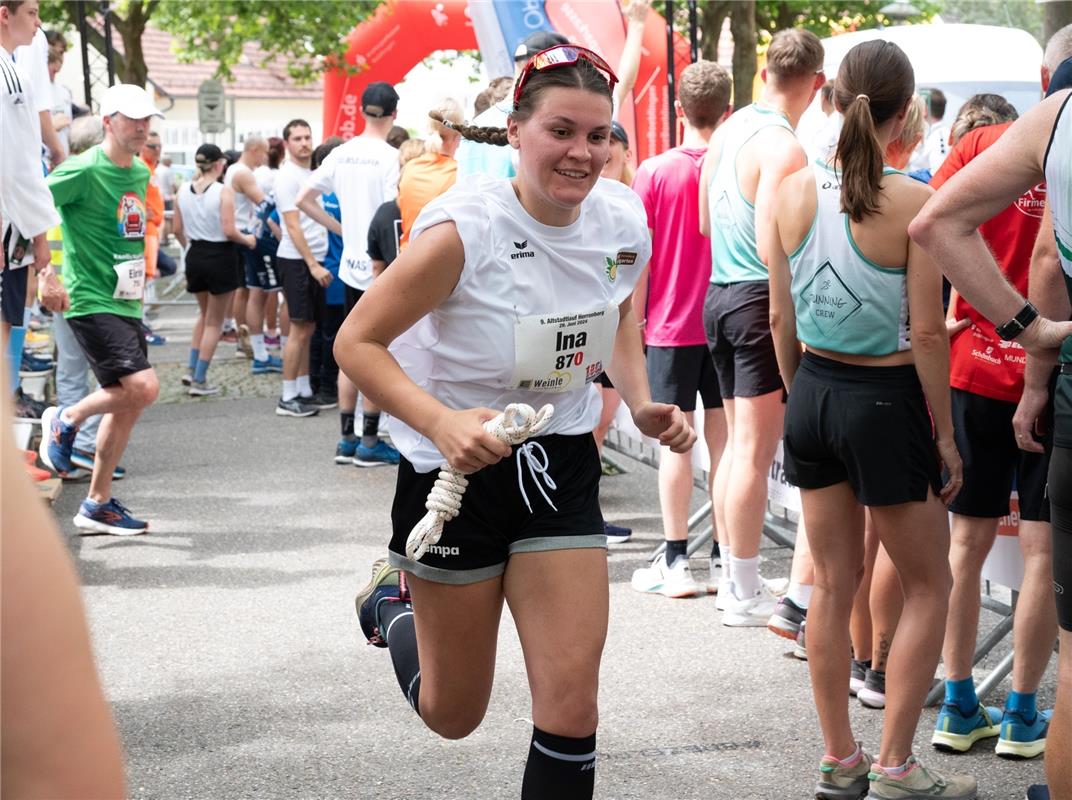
x=396, y=625
x=559, y=767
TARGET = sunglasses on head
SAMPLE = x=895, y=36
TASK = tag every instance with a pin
x=562, y=55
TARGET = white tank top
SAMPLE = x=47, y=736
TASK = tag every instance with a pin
x=845, y=302
x=533, y=316
x=201, y=213
x=1058, y=168
x=243, y=206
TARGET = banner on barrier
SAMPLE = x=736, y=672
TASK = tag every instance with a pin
x=779, y=490
x=1005, y=565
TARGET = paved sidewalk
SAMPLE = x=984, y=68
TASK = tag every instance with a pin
x=228, y=645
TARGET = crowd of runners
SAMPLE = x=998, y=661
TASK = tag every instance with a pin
x=788, y=287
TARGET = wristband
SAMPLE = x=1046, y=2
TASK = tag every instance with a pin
x=1018, y=324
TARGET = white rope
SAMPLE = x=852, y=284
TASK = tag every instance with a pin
x=517, y=423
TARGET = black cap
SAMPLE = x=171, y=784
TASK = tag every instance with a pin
x=1061, y=78
x=207, y=154
x=618, y=132
x=535, y=42
x=379, y=100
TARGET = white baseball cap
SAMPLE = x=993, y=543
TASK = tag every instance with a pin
x=129, y=100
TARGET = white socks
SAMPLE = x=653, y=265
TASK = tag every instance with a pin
x=800, y=594
x=290, y=390
x=744, y=573
x=260, y=351
x=304, y=389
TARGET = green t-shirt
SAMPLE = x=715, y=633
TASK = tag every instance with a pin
x=103, y=211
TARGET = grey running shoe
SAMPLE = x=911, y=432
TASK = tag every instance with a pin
x=838, y=782
x=786, y=619
x=800, y=646
x=386, y=584
x=295, y=408
x=857, y=675
x=920, y=783
x=873, y=693
x=202, y=389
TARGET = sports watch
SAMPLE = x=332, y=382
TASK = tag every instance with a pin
x=1015, y=326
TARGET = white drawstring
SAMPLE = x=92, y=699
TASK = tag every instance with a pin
x=537, y=470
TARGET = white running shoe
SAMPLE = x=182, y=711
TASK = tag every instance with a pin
x=675, y=581
x=724, y=592
x=714, y=574
x=752, y=612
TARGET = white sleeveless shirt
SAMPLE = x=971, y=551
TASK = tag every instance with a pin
x=243, y=206
x=535, y=311
x=201, y=213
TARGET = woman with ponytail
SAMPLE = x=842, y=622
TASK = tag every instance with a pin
x=868, y=421
x=510, y=291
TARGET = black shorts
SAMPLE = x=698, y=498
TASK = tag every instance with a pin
x=259, y=269
x=211, y=267
x=299, y=288
x=737, y=324
x=495, y=522
x=993, y=464
x=677, y=374
x=114, y=346
x=1061, y=510
x=350, y=297
x=866, y=425
x=13, y=295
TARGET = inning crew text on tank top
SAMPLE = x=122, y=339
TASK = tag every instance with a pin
x=734, y=253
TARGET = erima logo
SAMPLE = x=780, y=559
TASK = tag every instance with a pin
x=523, y=253
x=440, y=550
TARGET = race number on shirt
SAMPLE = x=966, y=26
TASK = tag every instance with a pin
x=560, y=352
x=130, y=279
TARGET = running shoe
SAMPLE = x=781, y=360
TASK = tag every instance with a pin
x=381, y=455
x=617, y=534
x=111, y=517
x=155, y=339
x=57, y=441
x=840, y=782
x=1021, y=738
x=270, y=364
x=83, y=459
x=202, y=389
x=1037, y=791
x=873, y=693
x=188, y=379
x=955, y=731
x=31, y=367
x=857, y=674
x=800, y=646
x=609, y=468
x=245, y=346
x=786, y=619
x=36, y=340
x=714, y=574
x=724, y=592
x=344, y=451
x=675, y=581
x=322, y=401
x=920, y=783
x=387, y=585
x=27, y=407
x=751, y=612
x=295, y=408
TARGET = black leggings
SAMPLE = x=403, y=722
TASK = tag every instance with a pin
x=1060, y=490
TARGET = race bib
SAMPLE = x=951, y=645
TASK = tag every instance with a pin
x=130, y=279
x=559, y=353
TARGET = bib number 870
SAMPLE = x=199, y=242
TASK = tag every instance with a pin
x=570, y=360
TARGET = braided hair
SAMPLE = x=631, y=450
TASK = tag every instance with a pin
x=979, y=111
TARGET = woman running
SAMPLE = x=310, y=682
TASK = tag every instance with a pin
x=845, y=280
x=205, y=214
x=524, y=289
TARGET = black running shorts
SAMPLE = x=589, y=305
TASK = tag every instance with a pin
x=299, y=288
x=737, y=324
x=495, y=521
x=993, y=464
x=114, y=346
x=212, y=267
x=258, y=266
x=13, y=284
x=677, y=374
x=866, y=425
x=1061, y=510
x=350, y=297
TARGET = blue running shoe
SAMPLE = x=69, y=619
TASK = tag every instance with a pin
x=381, y=455
x=955, y=732
x=344, y=451
x=57, y=441
x=1038, y=791
x=271, y=364
x=155, y=339
x=83, y=459
x=111, y=517
x=1020, y=738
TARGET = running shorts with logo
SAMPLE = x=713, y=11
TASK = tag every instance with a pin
x=866, y=425
x=258, y=267
x=495, y=521
x=737, y=325
x=351, y=297
x=211, y=267
x=993, y=464
x=677, y=374
x=114, y=345
x=299, y=288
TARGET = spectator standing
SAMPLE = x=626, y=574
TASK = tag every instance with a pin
x=33, y=58
x=154, y=221
x=61, y=103
x=434, y=171
x=323, y=371
x=385, y=230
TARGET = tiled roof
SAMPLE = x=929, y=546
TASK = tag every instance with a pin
x=250, y=80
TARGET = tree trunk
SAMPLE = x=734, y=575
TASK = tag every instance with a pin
x=131, y=68
x=743, y=28
x=713, y=14
x=1055, y=15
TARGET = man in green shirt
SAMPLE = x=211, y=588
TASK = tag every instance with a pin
x=100, y=195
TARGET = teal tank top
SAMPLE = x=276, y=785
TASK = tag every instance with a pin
x=845, y=302
x=734, y=255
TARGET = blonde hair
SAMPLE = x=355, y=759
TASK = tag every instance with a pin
x=914, y=123
x=409, y=150
x=447, y=111
x=979, y=111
